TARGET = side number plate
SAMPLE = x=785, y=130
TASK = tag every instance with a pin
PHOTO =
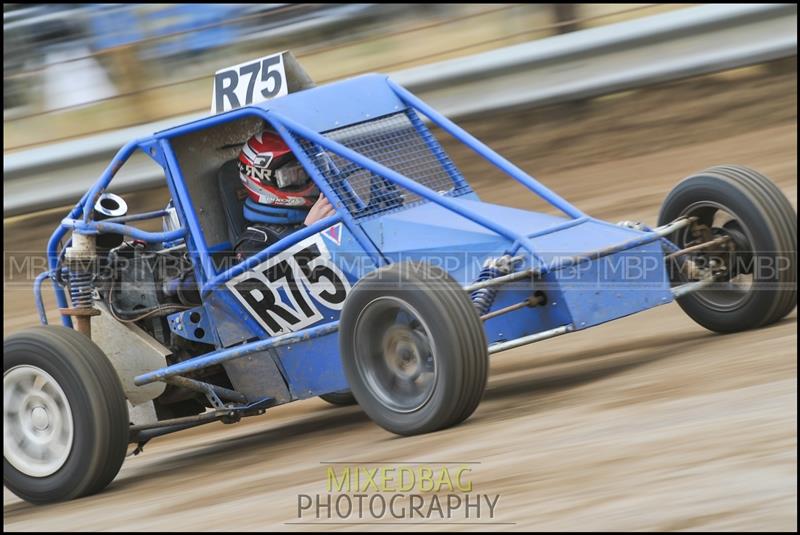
x=284, y=292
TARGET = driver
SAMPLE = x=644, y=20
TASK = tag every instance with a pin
x=281, y=197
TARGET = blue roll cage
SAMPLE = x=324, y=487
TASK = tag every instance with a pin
x=289, y=116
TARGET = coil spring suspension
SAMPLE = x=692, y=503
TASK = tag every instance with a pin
x=80, y=260
x=493, y=267
x=80, y=288
x=483, y=298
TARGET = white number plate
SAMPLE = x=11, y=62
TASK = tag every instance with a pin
x=306, y=276
x=247, y=83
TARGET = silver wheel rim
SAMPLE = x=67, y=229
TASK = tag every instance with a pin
x=395, y=355
x=726, y=295
x=37, y=421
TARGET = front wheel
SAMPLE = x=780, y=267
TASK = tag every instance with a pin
x=413, y=349
x=757, y=258
x=65, y=418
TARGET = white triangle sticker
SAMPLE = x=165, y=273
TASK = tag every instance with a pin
x=334, y=233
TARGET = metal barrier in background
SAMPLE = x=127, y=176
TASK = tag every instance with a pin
x=581, y=64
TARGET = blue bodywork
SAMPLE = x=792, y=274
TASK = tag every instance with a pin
x=346, y=135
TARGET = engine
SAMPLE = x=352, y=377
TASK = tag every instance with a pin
x=143, y=285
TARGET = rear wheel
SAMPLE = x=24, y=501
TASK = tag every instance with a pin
x=413, y=349
x=759, y=253
x=65, y=418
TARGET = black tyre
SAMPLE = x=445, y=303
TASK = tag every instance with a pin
x=761, y=283
x=65, y=418
x=413, y=349
x=343, y=398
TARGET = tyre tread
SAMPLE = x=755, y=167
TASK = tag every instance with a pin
x=775, y=211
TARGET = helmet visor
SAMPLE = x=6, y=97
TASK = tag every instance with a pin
x=291, y=174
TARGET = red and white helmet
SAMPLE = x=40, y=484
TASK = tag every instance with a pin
x=272, y=174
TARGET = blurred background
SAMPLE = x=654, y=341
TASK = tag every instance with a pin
x=77, y=69
x=650, y=423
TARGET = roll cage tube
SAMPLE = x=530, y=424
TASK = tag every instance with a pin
x=79, y=220
x=158, y=147
x=282, y=124
x=481, y=149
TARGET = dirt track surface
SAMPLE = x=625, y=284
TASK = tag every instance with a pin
x=646, y=423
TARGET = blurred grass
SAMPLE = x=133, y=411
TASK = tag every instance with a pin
x=494, y=29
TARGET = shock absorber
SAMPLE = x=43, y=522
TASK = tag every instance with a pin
x=80, y=259
x=493, y=267
x=80, y=288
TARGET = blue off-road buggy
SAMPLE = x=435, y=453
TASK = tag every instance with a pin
x=395, y=302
